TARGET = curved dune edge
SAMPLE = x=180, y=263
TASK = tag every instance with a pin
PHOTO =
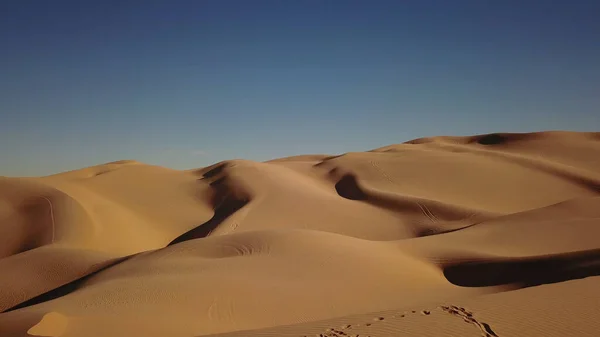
x=449, y=226
x=52, y=324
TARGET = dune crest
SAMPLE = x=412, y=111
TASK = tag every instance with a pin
x=430, y=236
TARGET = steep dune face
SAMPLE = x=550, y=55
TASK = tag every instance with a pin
x=126, y=248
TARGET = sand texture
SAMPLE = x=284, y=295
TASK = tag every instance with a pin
x=491, y=235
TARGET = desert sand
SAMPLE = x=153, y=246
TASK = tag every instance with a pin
x=490, y=235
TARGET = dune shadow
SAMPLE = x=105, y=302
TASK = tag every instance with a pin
x=215, y=171
x=501, y=138
x=526, y=272
x=347, y=187
x=492, y=139
x=223, y=201
x=67, y=288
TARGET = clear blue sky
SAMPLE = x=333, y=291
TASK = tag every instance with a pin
x=184, y=84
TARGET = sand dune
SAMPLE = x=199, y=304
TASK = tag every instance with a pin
x=490, y=235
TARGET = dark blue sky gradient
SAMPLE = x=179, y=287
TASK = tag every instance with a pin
x=187, y=83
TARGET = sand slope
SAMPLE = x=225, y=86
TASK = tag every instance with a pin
x=493, y=235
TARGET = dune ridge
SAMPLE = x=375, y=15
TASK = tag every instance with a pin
x=453, y=236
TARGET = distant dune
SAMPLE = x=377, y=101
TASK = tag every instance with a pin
x=490, y=235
